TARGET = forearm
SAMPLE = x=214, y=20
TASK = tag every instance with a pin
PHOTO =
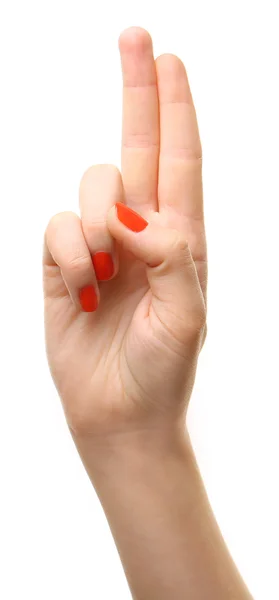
x=167, y=537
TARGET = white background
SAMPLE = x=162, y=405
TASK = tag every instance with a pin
x=61, y=112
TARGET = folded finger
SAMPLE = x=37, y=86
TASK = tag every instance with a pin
x=100, y=188
x=67, y=248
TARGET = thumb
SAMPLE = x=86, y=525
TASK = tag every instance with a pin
x=176, y=293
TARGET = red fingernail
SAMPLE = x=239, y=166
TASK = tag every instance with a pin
x=130, y=218
x=103, y=265
x=88, y=298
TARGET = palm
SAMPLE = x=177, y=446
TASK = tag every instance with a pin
x=161, y=171
x=98, y=345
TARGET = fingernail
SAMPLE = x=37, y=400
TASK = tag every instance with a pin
x=103, y=265
x=88, y=298
x=130, y=218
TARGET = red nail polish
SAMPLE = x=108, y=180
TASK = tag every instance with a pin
x=88, y=298
x=130, y=218
x=103, y=265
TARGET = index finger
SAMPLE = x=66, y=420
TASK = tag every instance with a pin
x=140, y=126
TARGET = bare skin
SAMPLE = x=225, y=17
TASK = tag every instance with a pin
x=125, y=371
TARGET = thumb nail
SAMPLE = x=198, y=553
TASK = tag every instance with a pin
x=130, y=218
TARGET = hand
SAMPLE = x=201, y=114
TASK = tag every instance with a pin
x=123, y=335
x=125, y=316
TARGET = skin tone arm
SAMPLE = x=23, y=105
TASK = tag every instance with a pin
x=125, y=318
x=166, y=533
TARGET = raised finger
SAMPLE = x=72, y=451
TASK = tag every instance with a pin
x=140, y=125
x=180, y=192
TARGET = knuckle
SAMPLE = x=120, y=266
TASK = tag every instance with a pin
x=110, y=169
x=187, y=154
x=140, y=140
x=95, y=225
x=180, y=246
x=90, y=224
x=59, y=219
x=97, y=171
x=79, y=262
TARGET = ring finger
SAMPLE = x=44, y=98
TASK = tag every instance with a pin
x=66, y=248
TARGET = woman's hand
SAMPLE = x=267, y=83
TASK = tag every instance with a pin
x=124, y=330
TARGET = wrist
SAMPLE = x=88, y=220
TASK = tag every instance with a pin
x=134, y=453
